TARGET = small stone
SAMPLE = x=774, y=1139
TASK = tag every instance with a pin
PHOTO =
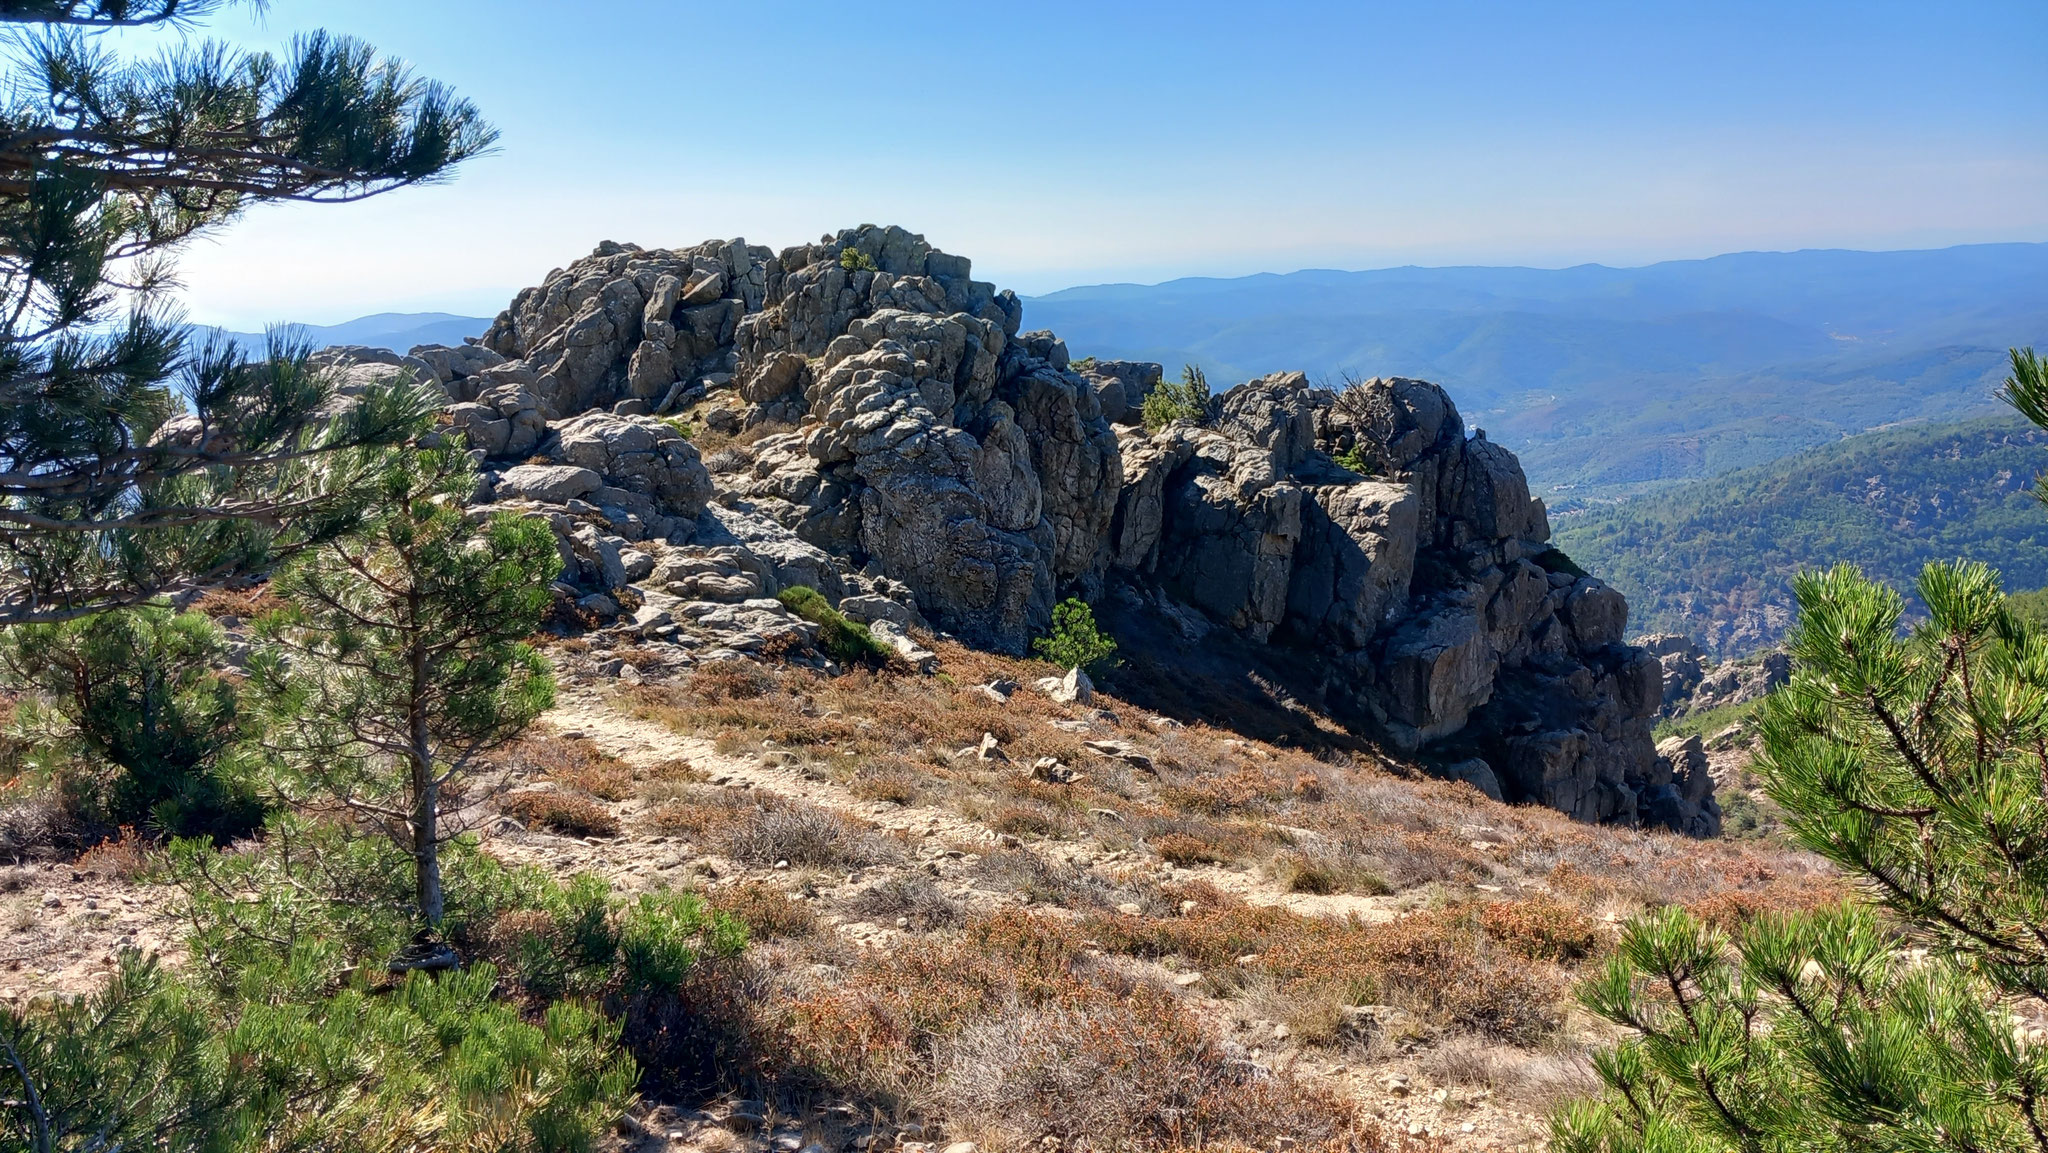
x=1187, y=907
x=629, y=675
x=1417, y=1129
x=962, y=1147
x=1248, y=959
x=1280, y=1032
x=1187, y=979
x=1130, y=908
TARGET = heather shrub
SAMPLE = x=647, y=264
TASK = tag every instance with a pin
x=559, y=812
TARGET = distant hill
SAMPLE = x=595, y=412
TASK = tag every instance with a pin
x=1608, y=380
x=1715, y=558
x=397, y=331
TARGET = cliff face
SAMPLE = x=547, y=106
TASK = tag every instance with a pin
x=894, y=440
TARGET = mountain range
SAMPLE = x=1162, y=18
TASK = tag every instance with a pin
x=1607, y=381
x=398, y=331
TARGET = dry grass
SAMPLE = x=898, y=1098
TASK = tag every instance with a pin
x=559, y=812
x=237, y=599
x=760, y=828
x=1010, y=1029
x=1438, y=965
x=912, y=899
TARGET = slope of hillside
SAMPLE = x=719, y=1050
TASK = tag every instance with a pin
x=1715, y=558
x=1603, y=379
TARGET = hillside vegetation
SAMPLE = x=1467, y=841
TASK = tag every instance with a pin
x=1715, y=558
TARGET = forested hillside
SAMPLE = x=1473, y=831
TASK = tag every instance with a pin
x=1715, y=558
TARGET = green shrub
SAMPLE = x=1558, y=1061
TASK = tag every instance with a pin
x=339, y=903
x=436, y=1063
x=854, y=260
x=1185, y=399
x=1355, y=459
x=846, y=641
x=1075, y=642
x=136, y=703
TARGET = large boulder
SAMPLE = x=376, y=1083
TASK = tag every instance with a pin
x=639, y=455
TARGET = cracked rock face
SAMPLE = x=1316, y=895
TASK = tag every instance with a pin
x=895, y=440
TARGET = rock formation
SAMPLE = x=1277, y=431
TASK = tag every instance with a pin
x=887, y=434
x=1692, y=686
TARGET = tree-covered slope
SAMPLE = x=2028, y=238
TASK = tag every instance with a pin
x=1715, y=558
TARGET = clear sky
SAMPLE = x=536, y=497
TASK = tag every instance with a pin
x=1063, y=143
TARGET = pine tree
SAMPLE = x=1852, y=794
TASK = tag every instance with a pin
x=139, y=689
x=1919, y=765
x=130, y=462
x=400, y=661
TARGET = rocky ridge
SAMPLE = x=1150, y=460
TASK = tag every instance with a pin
x=886, y=433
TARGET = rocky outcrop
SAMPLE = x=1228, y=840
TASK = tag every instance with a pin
x=884, y=430
x=1691, y=685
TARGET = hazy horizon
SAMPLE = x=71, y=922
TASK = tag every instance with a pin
x=510, y=291
x=1083, y=143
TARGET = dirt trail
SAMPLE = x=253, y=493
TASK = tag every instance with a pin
x=644, y=742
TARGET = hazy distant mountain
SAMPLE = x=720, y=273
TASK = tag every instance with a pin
x=394, y=330
x=1601, y=378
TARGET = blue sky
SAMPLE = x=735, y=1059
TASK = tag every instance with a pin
x=1063, y=143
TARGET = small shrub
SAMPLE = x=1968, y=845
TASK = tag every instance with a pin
x=1025, y=821
x=1044, y=881
x=1356, y=459
x=1075, y=642
x=578, y=766
x=560, y=812
x=897, y=787
x=766, y=911
x=911, y=896
x=1540, y=928
x=846, y=641
x=854, y=260
x=39, y=828
x=1324, y=873
x=121, y=858
x=803, y=835
x=1185, y=851
x=1187, y=399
